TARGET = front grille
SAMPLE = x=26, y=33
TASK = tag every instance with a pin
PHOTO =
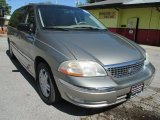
x=125, y=70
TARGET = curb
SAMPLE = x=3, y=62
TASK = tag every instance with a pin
x=150, y=47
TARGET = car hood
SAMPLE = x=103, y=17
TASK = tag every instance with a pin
x=103, y=47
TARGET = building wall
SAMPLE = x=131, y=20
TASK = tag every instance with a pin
x=108, y=22
x=148, y=28
x=142, y=13
x=3, y=22
x=6, y=22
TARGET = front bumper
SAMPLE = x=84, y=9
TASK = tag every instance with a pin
x=101, y=97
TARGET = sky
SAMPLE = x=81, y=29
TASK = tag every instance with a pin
x=18, y=3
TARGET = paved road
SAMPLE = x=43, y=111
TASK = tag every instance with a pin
x=19, y=99
x=154, y=56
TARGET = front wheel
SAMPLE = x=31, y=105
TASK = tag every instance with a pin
x=46, y=84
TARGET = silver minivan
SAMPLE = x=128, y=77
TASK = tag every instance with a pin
x=73, y=56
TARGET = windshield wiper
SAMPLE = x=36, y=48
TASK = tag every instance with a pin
x=87, y=27
x=55, y=28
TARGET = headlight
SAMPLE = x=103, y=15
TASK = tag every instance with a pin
x=146, y=62
x=82, y=68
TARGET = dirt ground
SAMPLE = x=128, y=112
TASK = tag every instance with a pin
x=145, y=106
x=20, y=101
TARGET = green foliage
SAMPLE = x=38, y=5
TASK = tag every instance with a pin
x=88, y=1
x=80, y=4
x=47, y=2
x=7, y=8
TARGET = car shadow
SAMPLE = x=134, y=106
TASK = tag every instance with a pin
x=21, y=69
x=62, y=105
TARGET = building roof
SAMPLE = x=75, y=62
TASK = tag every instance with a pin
x=106, y=2
x=141, y=1
x=120, y=3
x=7, y=17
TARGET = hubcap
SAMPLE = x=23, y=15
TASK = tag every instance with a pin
x=44, y=81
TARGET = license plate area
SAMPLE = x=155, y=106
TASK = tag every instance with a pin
x=136, y=89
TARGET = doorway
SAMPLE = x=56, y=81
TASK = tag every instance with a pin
x=132, y=30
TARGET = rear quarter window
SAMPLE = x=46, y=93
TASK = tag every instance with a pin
x=17, y=17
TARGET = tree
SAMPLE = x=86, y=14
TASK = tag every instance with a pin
x=92, y=1
x=49, y=2
x=5, y=6
x=79, y=3
x=88, y=1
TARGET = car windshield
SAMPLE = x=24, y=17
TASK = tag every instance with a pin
x=63, y=17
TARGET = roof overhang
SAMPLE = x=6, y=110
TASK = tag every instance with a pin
x=140, y=2
x=122, y=4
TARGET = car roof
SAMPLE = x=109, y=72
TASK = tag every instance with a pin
x=46, y=4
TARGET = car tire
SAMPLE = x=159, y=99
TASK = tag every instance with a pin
x=11, y=54
x=47, y=88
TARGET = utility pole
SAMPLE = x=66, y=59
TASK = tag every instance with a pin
x=2, y=11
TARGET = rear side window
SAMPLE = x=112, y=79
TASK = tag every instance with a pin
x=30, y=17
x=18, y=17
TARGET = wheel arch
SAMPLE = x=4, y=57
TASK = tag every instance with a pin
x=38, y=60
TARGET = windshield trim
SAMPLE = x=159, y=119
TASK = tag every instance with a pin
x=100, y=24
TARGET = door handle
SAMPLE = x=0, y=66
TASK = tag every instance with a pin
x=30, y=38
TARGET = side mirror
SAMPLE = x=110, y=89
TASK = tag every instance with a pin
x=23, y=27
x=31, y=28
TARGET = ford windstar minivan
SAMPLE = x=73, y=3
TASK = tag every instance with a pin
x=73, y=56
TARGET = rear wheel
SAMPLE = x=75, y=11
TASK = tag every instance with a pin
x=11, y=54
x=46, y=84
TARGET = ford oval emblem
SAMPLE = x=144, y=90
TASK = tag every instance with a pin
x=130, y=70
